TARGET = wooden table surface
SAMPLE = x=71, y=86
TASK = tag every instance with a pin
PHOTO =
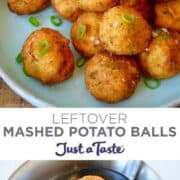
x=9, y=99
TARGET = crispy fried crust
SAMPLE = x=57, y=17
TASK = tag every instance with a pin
x=161, y=60
x=22, y=7
x=90, y=44
x=56, y=65
x=96, y=5
x=120, y=37
x=168, y=15
x=69, y=9
x=145, y=7
x=176, y=51
x=111, y=78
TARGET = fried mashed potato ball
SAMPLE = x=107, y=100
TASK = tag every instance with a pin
x=91, y=178
x=85, y=34
x=47, y=56
x=27, y=6
x=96, y=5
x=145, y=7
x=168, y=15
x=69, y=9
x=123, y=31
x=176, y=56
x=161, y=60
x=111, y=78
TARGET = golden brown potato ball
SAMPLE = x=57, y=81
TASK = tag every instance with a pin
x=145, y=7
x=27, y=6
x=96, y=5
x=47, y=56
x=123, y=31
x=161, y=60
x=176, y=49
x=69, y=9
x=85, y=34
x=168, y=15
x=91, y=178
x=111, y=78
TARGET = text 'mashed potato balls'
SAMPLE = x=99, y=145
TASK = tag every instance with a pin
x=111, y=78
x=161, y=60
x=27, y=6
x=96, y=5
x=47, y=56
x=91, y=178
x=168, y=15
x=69, y=9
x=85, y=34
x=123, y=31
x=144, y=7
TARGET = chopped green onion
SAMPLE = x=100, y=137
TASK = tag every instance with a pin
x=19, y=58
x=81, y=31
x=128, y=18
x=163, y=37
x=34, y=21
x=151, y=83
x=24, y=71
x=56, y=20
x=42, y=48
x=80, y=61
x=161, y=34
x=155, y=34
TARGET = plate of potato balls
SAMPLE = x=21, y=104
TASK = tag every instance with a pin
x=98, y=53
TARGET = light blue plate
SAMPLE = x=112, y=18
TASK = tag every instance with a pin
x=72, y=93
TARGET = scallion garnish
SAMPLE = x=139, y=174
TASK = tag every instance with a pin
x=128, y=18
x=161, y=34
x=56, y=20
x=154, y=34
x=34, y=21
x=163, y=37
x=151, y=83
x=42, y=48
x=81, y=31
x=19, y=58
x=80, y=61
x=24, y=71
